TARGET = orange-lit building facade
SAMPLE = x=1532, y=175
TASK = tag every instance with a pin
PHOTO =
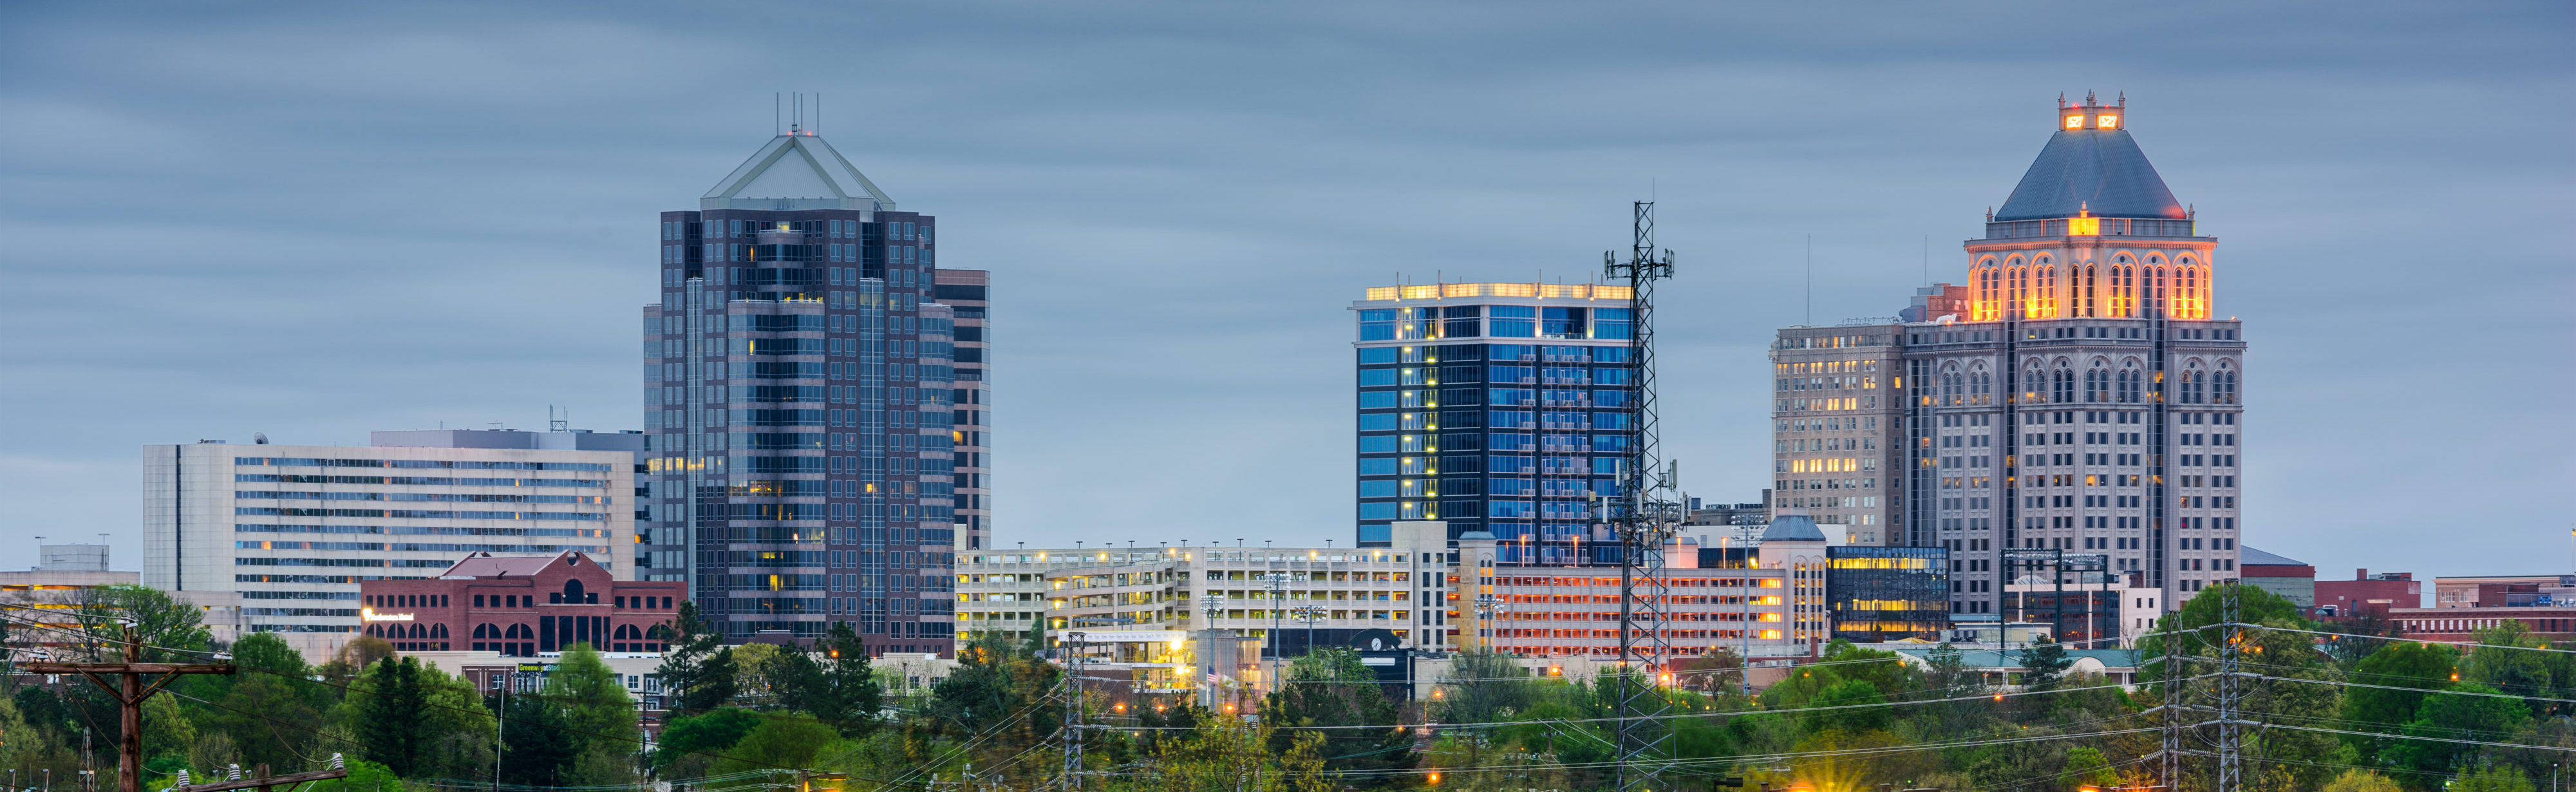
x=2080, y=391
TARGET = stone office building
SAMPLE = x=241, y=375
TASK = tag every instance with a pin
x=2081, y=392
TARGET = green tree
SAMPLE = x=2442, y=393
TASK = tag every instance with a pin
x=2298, y=759
x=999, y=691
x=461, y=731
x=2398, y=675
x=2086, y=765
x=1483, y=686
x=392, y=704
x=2463, y=714
x=417, y=721
x=834, y=683
x=600, y=715
x=540, y=748
x=268, y=710
x=697, y=667
x=756, y=674
x=706, y=733
x=778, y=743
x=2043, y=664
x=1863, y=708
x=2361, y=781
x=22, y=745
x=2501, y=661
x=2195, y=623
x=1330, y=687
x=2495, y=778
x=169, y=630
x=1945, y=677
x=166, y=730
x=364, y=776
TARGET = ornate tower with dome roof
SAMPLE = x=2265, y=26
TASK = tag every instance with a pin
x=2082, y=395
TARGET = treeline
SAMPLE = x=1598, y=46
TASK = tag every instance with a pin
x=2337, y=711
x=396, y=721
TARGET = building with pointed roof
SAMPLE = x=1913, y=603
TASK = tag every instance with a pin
x=2080, y=392
x=816, y=399
x=797, y=171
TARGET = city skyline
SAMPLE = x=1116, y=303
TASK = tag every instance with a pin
x=480, y=259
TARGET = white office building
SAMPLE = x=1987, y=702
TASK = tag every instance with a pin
x=293, y=529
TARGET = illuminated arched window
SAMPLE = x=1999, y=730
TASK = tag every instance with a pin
x=1988, y=295
x=2097, y=385
x=2223, y=388
x=2084, y=291
x=2132, y=385
x=2190, y=292
x=1951, y=385
x=2044, y=293
x=2124, y=288
x=1981, y=385
x=2034, y=383
x=2194, y=385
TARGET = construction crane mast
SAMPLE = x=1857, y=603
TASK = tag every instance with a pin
x=1644, y=516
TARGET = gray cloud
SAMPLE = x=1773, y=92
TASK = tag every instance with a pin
x=314, y=220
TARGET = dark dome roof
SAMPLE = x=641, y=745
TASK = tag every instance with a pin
x=2096, y=170
x=1793, y=528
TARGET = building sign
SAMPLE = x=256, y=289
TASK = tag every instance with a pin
x=370, y=614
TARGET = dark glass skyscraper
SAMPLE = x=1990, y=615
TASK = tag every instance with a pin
x=1500, y=407
x=800, y=392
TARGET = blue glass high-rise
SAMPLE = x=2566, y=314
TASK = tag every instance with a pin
x=800, y=393
x=1500, y=407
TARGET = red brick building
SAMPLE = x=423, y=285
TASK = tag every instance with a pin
x=2460, y=625
x=519, y=606
x=2367, y=596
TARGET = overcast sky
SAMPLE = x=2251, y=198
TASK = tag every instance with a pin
x=316, y=220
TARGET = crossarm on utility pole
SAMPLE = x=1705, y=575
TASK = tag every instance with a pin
x=269, y=781
x=129, y=690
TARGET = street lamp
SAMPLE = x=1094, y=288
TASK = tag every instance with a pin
x=1278, y=594
x=1310, y=614
x=1486, y=606
x=1214, y=604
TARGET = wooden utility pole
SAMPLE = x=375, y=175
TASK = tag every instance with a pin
x=130, y=690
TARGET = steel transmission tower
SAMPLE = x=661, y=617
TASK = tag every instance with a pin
x=1075, y=652
x=1645, y=515
x=2231, y=689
